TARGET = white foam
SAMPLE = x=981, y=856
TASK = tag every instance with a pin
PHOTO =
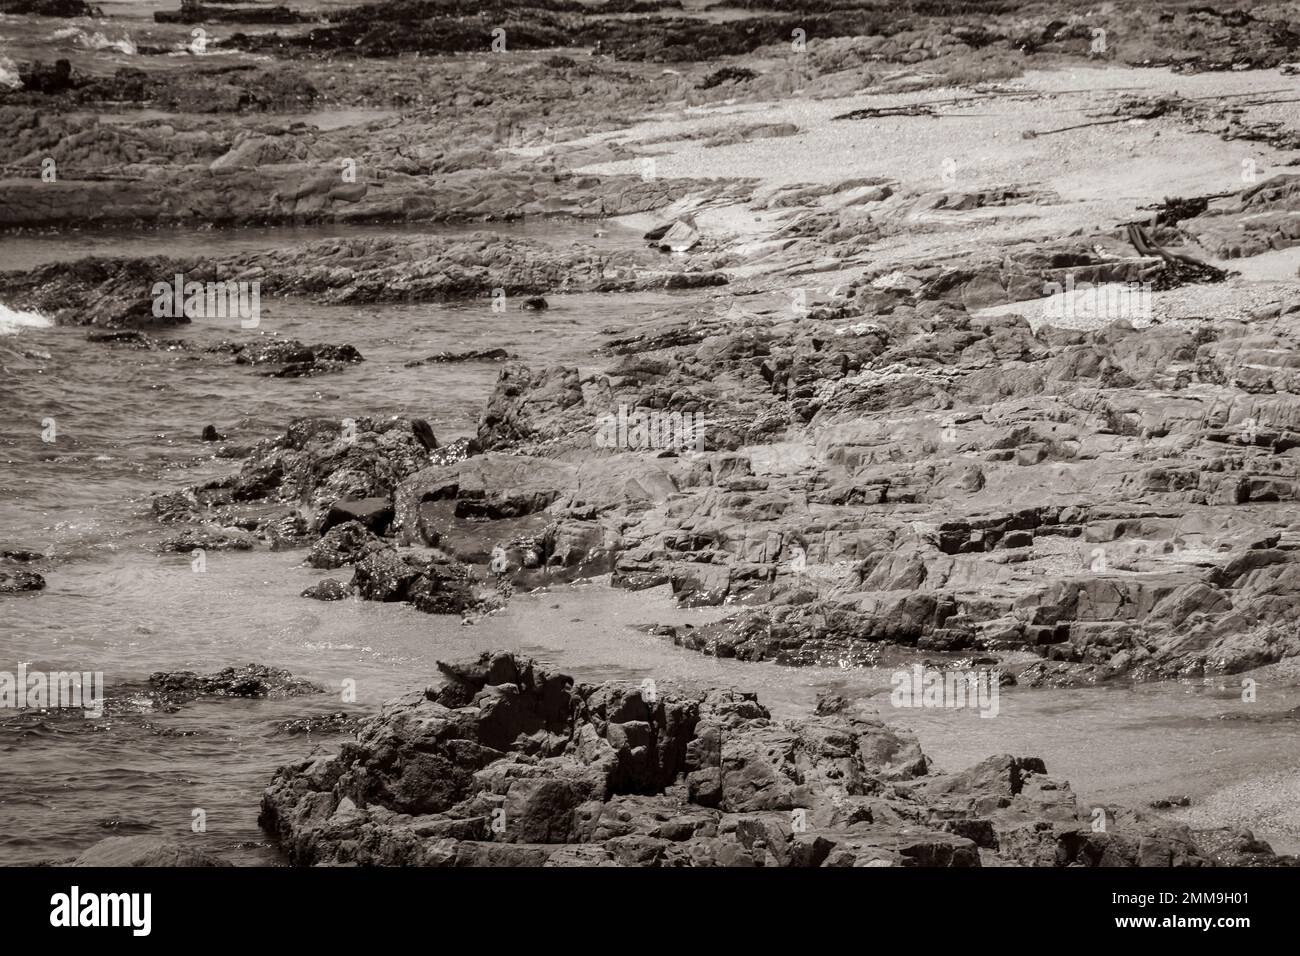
x=11, y=322
x=96, y=40
x=9, y=78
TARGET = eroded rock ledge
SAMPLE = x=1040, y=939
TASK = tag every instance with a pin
x=507, y=764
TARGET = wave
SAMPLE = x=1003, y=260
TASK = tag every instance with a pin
x=9, y=74
x=96, y=40
x=12, y=322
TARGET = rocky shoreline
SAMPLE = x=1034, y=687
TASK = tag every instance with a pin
x=914, y=427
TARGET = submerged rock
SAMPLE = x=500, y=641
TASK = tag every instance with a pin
x=329, y=589
x=251, y=680
x=131, y=851
x=208, y=539
x=21, y=555
x=128, y=337
x=476, y=355
x=12, y=582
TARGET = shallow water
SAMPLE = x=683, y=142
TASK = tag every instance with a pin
x=128, y=425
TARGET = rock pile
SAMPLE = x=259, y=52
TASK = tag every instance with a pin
x=508, y=764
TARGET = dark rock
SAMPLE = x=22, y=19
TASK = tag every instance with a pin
x=507, y=764
x=423, y=433
x=430, y=585
x=728, y=74
x=374, y=514
x=328, y=590
x=336, y=723
x=208, y=539
x=192, y=11
x=42, y=79
x=50, y=8
x=251, y=680
x=131, y=337
x=476, y=355
x=343, y=544
x=21, y=555
x=11, y=582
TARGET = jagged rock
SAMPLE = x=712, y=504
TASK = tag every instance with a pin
x=430, y=585
x=506, y=764
x=523, y=400
x=343, y=544
x=318, y=462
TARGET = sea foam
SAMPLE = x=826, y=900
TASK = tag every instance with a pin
x=12, y=322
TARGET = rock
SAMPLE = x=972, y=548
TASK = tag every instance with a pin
x=50, y=8
x=343, y=544
x=475, y=355
x=192, y=11
x=210, y=433
x=423, y=433
x=1233, y=847
x=387, y=576
x=524, y=403
x=505, y=764
x=430, y=585
x=130, y=337
x=208, y=539
x=681, y=236
x=328, y=590
x=132, y=851
x=21, y=555
x=315, y=464
x=374, y=514
x=108, y=291
x=12, y=582
x=251, y=680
